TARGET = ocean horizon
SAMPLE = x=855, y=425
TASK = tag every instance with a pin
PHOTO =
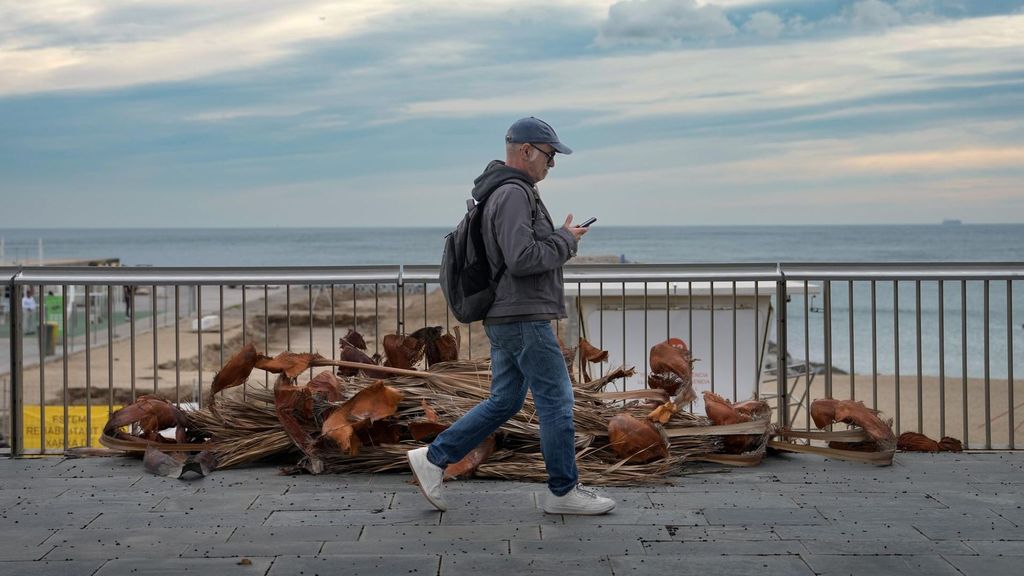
x=321, y=246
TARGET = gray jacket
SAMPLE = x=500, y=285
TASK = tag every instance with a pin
x=532, y=249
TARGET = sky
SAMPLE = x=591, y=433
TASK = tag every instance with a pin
x=241, y=113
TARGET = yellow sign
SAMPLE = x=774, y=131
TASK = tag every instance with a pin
x=54, y=426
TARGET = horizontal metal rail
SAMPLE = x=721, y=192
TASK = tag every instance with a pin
x=881, y=335
x=225, y=276
x=573, y=273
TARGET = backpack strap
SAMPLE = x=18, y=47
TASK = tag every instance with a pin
x=533, y=216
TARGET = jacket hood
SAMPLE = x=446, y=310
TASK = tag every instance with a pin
x=492, y=176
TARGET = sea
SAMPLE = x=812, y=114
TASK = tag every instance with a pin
x=654, y=244
x=648, y=244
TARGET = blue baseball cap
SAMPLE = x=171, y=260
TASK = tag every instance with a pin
x=535, y=131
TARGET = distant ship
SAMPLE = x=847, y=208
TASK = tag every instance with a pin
x=951, y=222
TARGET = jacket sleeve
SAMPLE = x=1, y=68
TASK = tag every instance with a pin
x=513, y=231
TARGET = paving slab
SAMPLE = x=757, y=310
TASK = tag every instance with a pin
x=725, y=548
x=50, y=568
x=885, y=547
x=34, y=484
x=412, y=546
x=712, y=565
x=886, y=500
x=482, y=515
x=997, y=547
x=474, y=565
x=985, y=565
x=118, y=500
x=354, y=565
x=719, y=533
x=194, y=519
x=352, y=518
x=322, y=484
x=348, y=500
x=239, y=549
x=451, y=533
x=968, y=529
x=121, y=543
x=18, y=518
x=849, y=532
x=763, y=516
x=927, y=565
x=991, y=499
x=194, y=502
x=721, y=499
x=14, y=539
x=568, y=547
x=591, y=532
x=24, y=552
x=875, y=514
x=296, y=533
x=179, y=566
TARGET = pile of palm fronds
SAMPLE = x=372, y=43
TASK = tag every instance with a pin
x=249, y=431
x=363, y=414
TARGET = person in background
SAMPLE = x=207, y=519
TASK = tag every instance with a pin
x=5, y=304
x=129, y=300
x=29, y=308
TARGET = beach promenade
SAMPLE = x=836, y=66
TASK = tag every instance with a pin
x=956, y=514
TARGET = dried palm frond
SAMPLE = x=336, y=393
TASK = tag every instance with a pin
x=243, y=432
x=637, y=440
x=828, y=411
x=236, y=371
x=468, y=465
x=369, y=404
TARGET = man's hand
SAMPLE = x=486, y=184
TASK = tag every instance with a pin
x=576, y=231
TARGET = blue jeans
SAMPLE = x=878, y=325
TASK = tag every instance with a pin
x=524, y=356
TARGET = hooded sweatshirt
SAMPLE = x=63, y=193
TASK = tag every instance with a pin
x=531, y=248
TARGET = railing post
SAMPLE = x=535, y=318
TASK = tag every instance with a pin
x=400, y=300
x=781, y=347
x=17, y=366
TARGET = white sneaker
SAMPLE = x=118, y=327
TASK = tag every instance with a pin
x=428, y=476
x=579, y=500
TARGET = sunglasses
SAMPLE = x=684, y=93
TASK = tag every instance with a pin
x=550, y=155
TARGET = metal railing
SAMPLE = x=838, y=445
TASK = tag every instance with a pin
x=931, y=345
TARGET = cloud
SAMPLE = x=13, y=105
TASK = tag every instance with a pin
x=873, y=14
x=106, y=45
x=938, y=161
x=661, y=21
x=764, y=24
x=701, y=84
x=227, y=114
x=56, y=45
x=667, y=22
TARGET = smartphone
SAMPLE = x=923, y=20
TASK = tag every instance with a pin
x=587, y=223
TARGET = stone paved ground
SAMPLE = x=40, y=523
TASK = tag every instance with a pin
x=935, y=515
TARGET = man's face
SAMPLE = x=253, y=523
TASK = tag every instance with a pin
x=540, y=158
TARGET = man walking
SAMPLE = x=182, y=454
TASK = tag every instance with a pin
x=518, y=232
